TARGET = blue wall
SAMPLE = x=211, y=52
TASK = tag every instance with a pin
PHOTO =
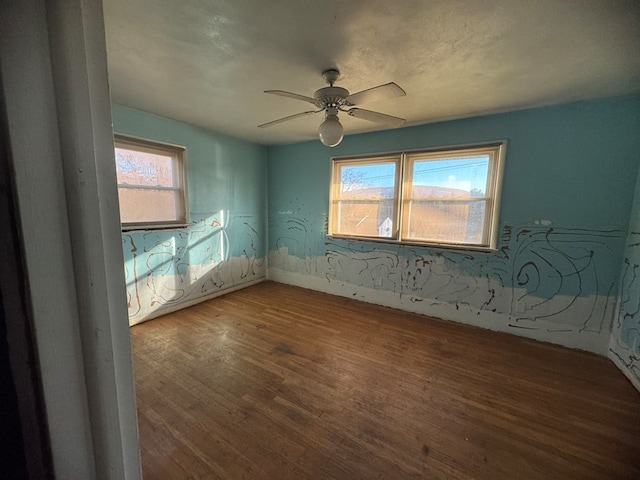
x=569, y=182
x=225, y=245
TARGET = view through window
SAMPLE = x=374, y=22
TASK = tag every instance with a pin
x=151, y=183
x=440, y=197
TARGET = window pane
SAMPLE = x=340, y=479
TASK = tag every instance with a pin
x=366, y=218
x=442, y=221
x=462, y=177
x=439, y=206
x=366, y=200
x=140, y=168
x=145, y=205
x=368, y=181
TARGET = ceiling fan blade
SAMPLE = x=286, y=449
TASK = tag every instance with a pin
x=290, y=117
x=282, y=93
x=381, y=118
x=381, y=92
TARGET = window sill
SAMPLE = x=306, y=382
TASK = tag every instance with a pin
x=153, y=228
x=444, y=246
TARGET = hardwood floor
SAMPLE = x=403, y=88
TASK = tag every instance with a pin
x=278, y=382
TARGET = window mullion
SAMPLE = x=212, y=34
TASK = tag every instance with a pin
x=400, y=200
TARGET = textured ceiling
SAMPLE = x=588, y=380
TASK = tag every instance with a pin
x=207, y=62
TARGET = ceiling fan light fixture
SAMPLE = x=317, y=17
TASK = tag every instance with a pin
x=331, y=130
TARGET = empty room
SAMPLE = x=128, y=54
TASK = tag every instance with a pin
x=321, y=240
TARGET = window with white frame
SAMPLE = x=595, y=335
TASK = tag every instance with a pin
x=447, y=197
x=151, y=183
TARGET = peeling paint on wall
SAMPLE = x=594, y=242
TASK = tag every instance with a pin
x=170, y=267
x=624, y=349
x=548, y=283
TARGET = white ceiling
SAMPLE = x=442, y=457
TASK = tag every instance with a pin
x=207, y=62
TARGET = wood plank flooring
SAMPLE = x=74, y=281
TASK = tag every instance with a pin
x=278, y=382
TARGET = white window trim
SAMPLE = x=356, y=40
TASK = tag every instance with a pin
x=494, y=183
x=154, y=146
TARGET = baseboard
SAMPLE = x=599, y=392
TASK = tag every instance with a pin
x=194, y=301
x=595, y=342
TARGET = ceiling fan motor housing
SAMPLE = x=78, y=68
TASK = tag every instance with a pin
x=331, y=96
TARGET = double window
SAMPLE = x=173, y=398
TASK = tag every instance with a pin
x=151, y=183
x=436, y=197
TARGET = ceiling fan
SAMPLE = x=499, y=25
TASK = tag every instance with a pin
x=332, y=99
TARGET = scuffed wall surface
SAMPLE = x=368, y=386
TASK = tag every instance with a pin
x=567, y=195
x=625, y=337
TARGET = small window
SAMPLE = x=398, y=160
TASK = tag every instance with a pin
x=151, y=183
x=436, y=197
